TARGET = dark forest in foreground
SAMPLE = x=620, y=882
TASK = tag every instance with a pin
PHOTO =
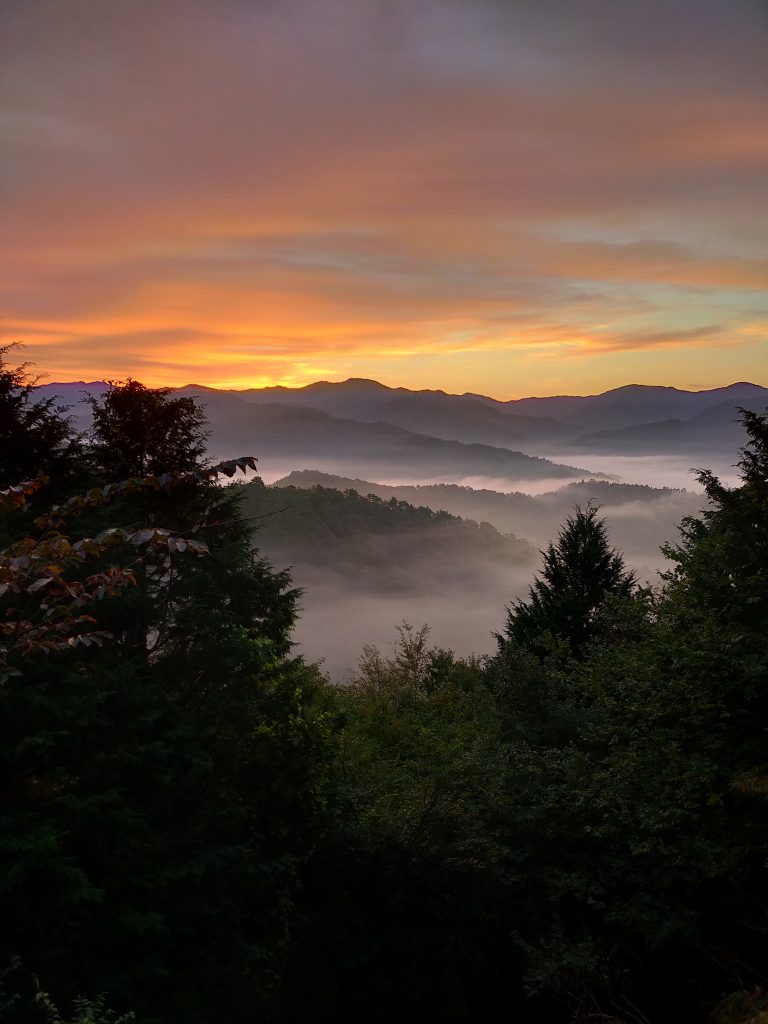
x=198, y=826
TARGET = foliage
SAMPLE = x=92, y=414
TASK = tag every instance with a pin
x=742, y=1008
x=652, y=748
x=397, y=900
x=39, y=574
x=23, y=1000
x=84, y=1011
x=37, y=439
x=35, y=434
x=580, y=571
x=139, y=431
x=183, y=757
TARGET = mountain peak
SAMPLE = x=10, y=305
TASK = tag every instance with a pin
x=351, y=384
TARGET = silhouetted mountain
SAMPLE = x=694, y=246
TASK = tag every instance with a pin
x=290, y=434
x=285, y=435
x=452, y=417
x=356, y=426
x=715, y=430
x=542, y=425
x=636, y=404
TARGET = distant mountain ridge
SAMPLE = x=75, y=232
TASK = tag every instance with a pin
x=285, y=435
x=579, y=424
x=635, y=419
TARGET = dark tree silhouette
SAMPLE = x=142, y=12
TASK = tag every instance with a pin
x=580, y=571
x=138, y=431
x=35, y=434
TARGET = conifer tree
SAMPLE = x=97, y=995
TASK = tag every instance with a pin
x=139, y=430
x=36, y=435
x=580, y=571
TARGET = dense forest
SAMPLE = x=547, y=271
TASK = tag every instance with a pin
x=370, y=542
x=198, y=826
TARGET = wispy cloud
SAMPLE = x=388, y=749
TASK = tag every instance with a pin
x=250, y=191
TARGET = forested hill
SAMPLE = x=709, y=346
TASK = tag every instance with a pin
x=387, y=545
x=640, y=518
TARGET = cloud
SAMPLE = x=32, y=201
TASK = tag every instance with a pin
x=259, y=183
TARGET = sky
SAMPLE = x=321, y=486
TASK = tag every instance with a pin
x=511, y=197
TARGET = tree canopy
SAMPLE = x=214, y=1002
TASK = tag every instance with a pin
x=139, y=431
x=580, y=572
x=37, y=435
x=157, y=741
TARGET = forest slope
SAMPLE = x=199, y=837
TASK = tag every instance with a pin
x=375, y=543
x=366, y=563
x=640, y=518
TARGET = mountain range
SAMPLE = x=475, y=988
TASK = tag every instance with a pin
x=362, y=428
x=286, y=435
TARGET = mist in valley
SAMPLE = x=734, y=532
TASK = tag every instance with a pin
x=360, y=582
x=459, y=620
x=673, y=470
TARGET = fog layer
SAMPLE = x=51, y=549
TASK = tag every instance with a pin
x=367, y=564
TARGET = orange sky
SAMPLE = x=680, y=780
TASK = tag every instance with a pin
x=509, y=198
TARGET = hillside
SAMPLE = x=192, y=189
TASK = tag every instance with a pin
x=368, y=542
x=640, y=518
x=364, y=564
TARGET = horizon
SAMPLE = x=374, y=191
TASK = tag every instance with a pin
x=402, y=387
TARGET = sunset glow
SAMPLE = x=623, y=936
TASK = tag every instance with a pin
x=508, y=198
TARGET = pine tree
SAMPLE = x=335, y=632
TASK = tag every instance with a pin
x=139, y=430
x=580, y=571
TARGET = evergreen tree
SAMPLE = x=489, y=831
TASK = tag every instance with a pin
x=649, y=837
x=36, y=436
x=138, y=430
x=158, y=793
x=580, y=571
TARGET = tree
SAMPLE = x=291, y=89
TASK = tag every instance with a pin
x=160, y=750
x=36, y=436
x=580, y=571
x=655, y=806
x=401, y=900
x=139, y=431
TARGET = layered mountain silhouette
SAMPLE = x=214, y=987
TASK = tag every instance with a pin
x=716, y=429
x=634, y=419
x=287, y=435
x=363, y=428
